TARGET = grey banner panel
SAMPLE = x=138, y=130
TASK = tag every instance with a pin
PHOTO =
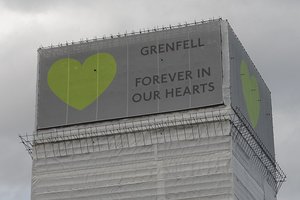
x=249, y=93
x=130, y=76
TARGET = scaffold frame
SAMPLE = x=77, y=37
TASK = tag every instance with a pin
x=187, y=122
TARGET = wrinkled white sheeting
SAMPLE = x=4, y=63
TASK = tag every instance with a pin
x=194, y=168
x=138, y=124
x=137, y=138
x=249, y=182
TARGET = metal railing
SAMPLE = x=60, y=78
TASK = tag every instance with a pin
x=165, y=128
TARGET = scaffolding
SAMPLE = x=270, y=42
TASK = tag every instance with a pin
x=153, y=130
x=243, y=133
x=132, y=33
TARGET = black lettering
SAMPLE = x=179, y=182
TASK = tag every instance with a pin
x=145, y=51
x=146, y=80
x=147, y=98
x=173, y=46
x=136, y=97
x=186, y=91
x=188, y=75
x=155, y=79
x=180, y=76
x=207, y=72
x=178, y=92
x=172, y=76
x=203, y=85
x=168, y=46
x=161, y=48
x=153, y=49
x=196, y=89
x=137, y=80
x=186, y=44
x=193, y=45
x=170, y=93
x=156, y=95
x=178, y=44
x=164, y=78
x=203, y=72
x=211, y=86
x=199, y=43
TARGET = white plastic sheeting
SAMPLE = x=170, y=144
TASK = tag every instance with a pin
x=191, y=167
x=184, y=161
x=249, y=181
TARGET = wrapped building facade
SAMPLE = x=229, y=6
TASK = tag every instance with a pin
x=175, y=113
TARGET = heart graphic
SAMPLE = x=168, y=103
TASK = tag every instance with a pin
x=79, y=85
x=251, y=93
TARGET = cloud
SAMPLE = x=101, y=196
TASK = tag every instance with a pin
x=34, y=6
x=286, y=135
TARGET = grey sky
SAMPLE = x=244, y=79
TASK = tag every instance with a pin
x=269, y=30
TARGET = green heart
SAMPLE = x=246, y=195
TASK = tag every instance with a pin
x=251, y=93
x=79, y=85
